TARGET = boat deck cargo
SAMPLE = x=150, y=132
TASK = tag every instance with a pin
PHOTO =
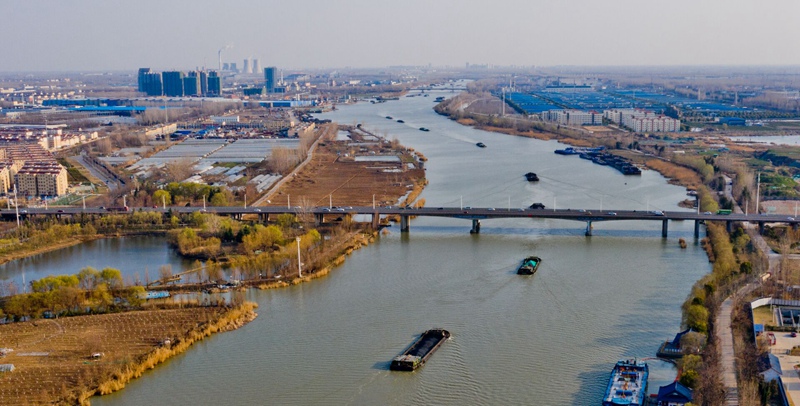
x=419, y=352
x=529, y=266
x=628, y=384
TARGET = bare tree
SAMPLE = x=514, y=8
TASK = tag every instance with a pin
x=304, y=212
x=179, y=170
x=165, y=273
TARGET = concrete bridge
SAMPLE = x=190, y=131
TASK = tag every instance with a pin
x=475, y=215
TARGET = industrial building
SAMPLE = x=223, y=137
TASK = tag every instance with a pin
x=573, y=117
x=641, y=121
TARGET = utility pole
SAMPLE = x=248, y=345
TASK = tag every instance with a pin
x=204, y=202
x=163, y=201
x=124, y=203
x=84, y=202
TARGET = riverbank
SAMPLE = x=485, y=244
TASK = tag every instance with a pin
x=68, y=360
x=356, y=241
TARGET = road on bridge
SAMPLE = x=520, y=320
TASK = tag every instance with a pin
x=455, y=212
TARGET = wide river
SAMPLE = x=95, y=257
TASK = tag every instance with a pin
x=550, y=339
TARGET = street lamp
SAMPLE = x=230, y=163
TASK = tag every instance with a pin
x=299, y=269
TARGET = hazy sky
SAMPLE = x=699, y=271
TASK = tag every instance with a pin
x=49, y=35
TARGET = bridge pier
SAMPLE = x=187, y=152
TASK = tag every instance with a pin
x=588, y=228
x=761, y=227
x=729, y=226
x=664, y=228
x=476, y=227
x=403, y=224
x=697, y=229
x=376, y=220
x=263, y=217
x=319, y=219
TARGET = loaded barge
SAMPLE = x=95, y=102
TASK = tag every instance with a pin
x=529, y=266
x=419, y=352
x=628, y=384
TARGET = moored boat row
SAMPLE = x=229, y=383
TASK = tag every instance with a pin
x=598, y=156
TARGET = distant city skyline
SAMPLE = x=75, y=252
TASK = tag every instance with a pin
x=106, y=35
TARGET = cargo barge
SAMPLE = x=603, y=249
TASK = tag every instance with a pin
x=529, y=266
x=628, y=384
x=531, y=177
x=419, y=352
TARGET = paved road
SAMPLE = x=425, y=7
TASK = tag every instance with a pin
x=723, y=328
x=728, y=358
x=99, y=173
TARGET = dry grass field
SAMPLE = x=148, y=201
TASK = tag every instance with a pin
x=350, y=183
x=53, y=358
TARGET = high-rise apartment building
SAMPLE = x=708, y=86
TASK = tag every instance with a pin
x=191, y=84
x=150, y=82
x=142, y=75
x=203, y=82
x=173, y=83
x=214, y=84
x=269, y=78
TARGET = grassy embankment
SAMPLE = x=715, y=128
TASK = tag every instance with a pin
x=227, y=321
x=55, y=361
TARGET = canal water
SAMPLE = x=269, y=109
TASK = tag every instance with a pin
x=548, y=339
x=137, y=257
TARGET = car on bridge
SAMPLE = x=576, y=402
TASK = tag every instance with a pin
x=537, y=206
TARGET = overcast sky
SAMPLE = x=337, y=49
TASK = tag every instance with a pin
x=67, y=35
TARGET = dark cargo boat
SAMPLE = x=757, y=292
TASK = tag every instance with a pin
x=529, y=266
x=481, y=145
x=531, y=177
x=419, y=352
